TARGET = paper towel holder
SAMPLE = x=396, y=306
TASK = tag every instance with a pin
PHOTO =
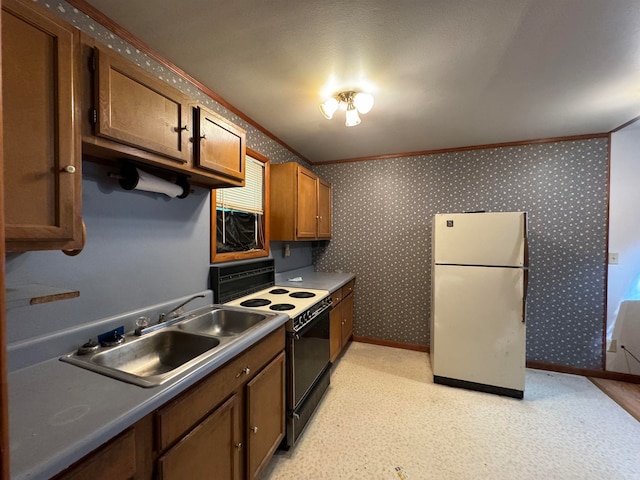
x=129, y=177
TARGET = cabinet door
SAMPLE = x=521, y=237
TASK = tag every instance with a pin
x=307, y=205
x=135, y=108
x=335, y=331
x=347, y=316
x=42, y=158
x=265, y=415
x=211, y=450
x=219, y=147
x=324, y=209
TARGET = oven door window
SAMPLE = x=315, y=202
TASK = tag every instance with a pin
x=310, y=356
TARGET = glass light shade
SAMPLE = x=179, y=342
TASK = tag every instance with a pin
x=363, y=102
x=329, y=107
x=352, y=117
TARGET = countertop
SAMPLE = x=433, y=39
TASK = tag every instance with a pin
x=60, y=412
x=310, y=279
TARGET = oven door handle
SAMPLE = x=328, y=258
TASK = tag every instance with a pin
x=314, y=321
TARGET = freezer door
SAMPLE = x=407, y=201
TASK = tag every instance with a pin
x=496, y=238
x=478, y=330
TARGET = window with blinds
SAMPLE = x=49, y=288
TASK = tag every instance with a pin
x=249, y=198
x=238, y=218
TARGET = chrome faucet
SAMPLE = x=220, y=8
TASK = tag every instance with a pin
x=175, y=311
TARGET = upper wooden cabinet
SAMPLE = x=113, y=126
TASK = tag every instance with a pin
x=135, y=108
x=134, y=115
x=300, y=204
x=42, y=152
x=219, y=146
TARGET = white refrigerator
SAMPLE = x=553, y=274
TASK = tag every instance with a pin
x=479, y=284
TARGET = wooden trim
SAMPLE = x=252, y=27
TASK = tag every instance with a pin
x=464, y=149
x=606, y=261
x=127, y=36
x=585, y=372
x=624, y=125
x=4, y=396
x=391, y=343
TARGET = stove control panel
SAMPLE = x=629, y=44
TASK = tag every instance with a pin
x=312, y=312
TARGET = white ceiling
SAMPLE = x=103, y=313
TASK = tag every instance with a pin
x=444, y=73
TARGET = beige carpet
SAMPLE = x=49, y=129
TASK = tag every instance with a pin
x=383, y=418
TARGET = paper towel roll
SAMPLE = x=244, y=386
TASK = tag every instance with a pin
x=139, y=180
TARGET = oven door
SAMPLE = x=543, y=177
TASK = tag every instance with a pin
x=308, y=357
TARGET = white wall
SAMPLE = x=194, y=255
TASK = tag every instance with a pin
x=624, y=239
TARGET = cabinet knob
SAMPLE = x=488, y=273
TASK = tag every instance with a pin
x=70, y=169
x=244, y=371
x=203, y=137
x=254, y=429
x=180, y=129
x=238, y=445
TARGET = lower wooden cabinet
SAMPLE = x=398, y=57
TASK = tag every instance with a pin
x=341, y=319
x=265, y=419
x=227, y=426
x=116, y=459
x=211, y=450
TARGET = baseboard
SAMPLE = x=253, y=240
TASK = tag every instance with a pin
x=391, y=343
x=585, y=372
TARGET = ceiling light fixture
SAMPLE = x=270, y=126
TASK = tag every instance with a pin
x=355, y=103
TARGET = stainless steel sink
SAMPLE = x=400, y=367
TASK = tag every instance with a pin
x=222, y=323
x=148, y=360
x=170, y=349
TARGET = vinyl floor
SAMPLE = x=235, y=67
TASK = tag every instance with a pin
x=384, y=418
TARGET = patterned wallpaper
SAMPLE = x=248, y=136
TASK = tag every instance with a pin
x=256, y=140
x=382, y=221
x=382, y=233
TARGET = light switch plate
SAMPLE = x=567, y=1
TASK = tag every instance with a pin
x=613, y=258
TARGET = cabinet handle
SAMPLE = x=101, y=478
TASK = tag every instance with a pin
x=70, y=169
x=244, y=371
x=254, y=429
x=203, y=137
x=238, y=445
x=180, y=129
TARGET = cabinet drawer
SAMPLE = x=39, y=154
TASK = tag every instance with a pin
x=117, y=459
x=336, y=297
x=181, y=414
x=348, y=288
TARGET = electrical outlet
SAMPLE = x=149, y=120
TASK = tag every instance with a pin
x=287, y=250
x=613, y=258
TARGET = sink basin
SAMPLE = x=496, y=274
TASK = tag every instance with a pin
x=156, y=354
x=222, y=323
x=148, y=360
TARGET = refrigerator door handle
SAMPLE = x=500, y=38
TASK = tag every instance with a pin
x=524, y=294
